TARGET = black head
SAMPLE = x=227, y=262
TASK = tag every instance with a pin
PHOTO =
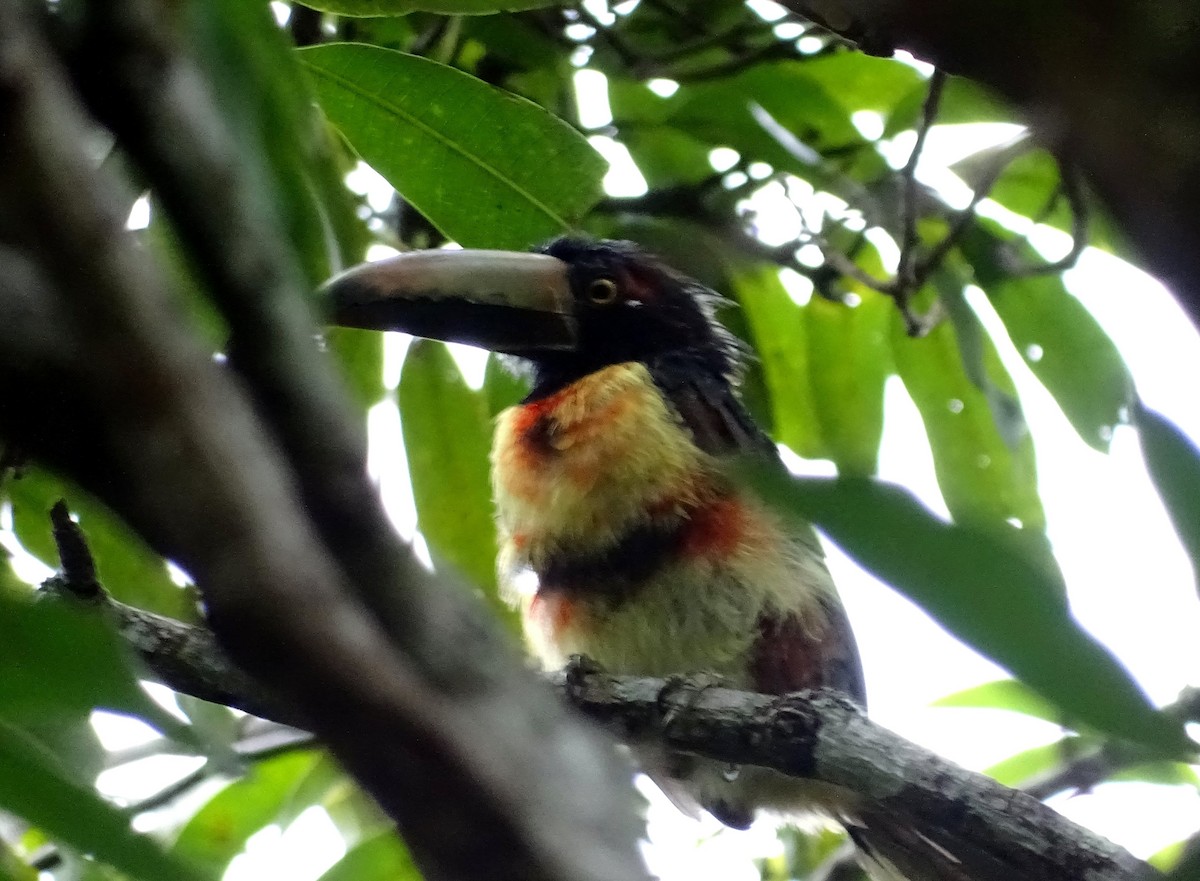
x=630, y=306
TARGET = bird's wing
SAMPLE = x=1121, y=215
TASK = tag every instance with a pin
x=791, y=653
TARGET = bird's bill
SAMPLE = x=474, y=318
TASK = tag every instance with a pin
x=501, y=300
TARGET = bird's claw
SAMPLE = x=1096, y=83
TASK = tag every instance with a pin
x=680, y=691
x=578, y=668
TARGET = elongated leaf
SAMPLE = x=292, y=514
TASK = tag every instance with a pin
x=294, y=160
x=129, y=570
x=58, y=661
x=984, y=591
x=487, y=168
x=1059, y=339
x=1034, y=762
x=13, y=868
x=34, y=788
x=1174, y=465
x=963, y=101
x=360, y=354
x=864, y=82
x=367, y=8
x=825, y=365
x=1031, y=185
x=447, y=436
x=1003, y=694
x=984, y=476
x=381, y=858
x=219, y=830
x=1162, y=773
x=501, y=388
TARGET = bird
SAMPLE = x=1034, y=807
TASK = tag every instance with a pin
x=617, y=497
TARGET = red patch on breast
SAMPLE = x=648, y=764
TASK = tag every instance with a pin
x=534, y=425
x=553, y=613
x=715, y=530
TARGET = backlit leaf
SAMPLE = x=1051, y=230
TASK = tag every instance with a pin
x=218, y=831
x=984, y=476
x=34, y=788
x=1174, y=465
x=1062, y=343
x=825, y=364
x=985, y=591
x=367, y=8
x=487, y=168
x=447, y=437
x=381, y=858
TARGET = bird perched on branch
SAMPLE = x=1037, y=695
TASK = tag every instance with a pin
x=613, y=487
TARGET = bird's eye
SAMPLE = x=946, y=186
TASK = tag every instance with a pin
x=602, y=291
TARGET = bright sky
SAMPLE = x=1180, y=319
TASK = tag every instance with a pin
x=1130, y=583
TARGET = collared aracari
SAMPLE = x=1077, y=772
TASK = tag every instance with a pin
x=612, y=486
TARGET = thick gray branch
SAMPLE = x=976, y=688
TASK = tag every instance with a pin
x=811, y=735
x=100, y=378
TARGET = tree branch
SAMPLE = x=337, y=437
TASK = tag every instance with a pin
x=813, y=735
x=101, y=379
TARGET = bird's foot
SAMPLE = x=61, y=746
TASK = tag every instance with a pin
x=578, y=668
x=681, y=691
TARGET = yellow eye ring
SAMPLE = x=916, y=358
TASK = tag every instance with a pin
x=603, y=291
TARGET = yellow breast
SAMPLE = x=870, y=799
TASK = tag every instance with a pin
x=576, y=468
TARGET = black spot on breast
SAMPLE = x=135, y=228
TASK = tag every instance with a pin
x=539, y=437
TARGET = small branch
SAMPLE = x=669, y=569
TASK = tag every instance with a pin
x=78, y=567
x=1089, y=769
x=961, y=223
x=905, y=283
x=1072, y=189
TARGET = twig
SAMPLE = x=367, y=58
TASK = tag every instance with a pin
x=908, y=175
x=1091, y=768
x=78, y=567
x=925, y=266
x=1072, y=189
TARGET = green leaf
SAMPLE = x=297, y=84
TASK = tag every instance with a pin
x=986, y=592
x=1174, y=465
x=1037, y=761
x=218, y=831
x=447, y=437
x=825, y=364
x=501, y=388
x=1162, y=773
x=293, y=160
x=963, y=101
x=864, y=82
x=359, y=353
x=1003, y=694
x=369, y=8
x=487, y=168
x=380, y=858
x=13, y=868
x=1062, y=343
x=60, y=661
x=35, y=788
x=984, y=476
